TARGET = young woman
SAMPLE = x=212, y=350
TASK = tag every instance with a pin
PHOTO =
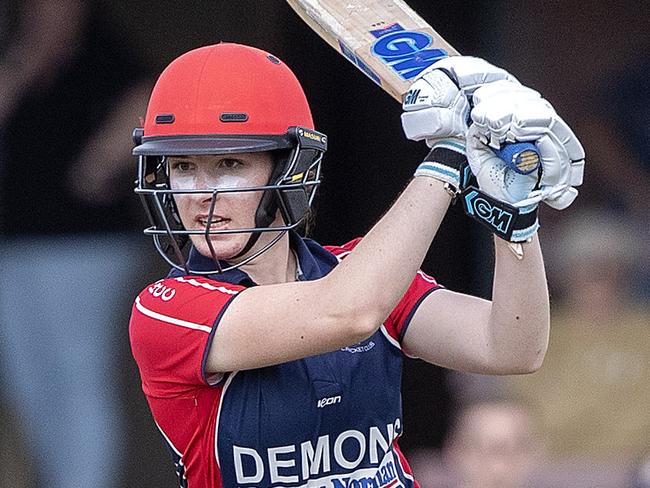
x=268, y=360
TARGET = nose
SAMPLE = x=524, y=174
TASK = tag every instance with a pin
x=205, y=182
x=207, y=198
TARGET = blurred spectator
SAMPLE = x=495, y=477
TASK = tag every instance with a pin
x=492, y=444
x=593, y=388
x=71, y=93
x=500, y=444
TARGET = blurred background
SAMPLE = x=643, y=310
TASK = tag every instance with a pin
x=74, y=81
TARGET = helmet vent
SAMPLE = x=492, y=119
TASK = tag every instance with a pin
x=273, y=59
x=233, y=117
x=165, y=119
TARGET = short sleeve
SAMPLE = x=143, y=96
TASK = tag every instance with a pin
x=399, y=319
x=341, y=251
x=172, y=325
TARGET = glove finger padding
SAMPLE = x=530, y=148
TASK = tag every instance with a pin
x=560, y=197
x=551, y=154
x=562, y=158
x=437, y=103
x=502, y=106
x=434, y=109
x=506, y=112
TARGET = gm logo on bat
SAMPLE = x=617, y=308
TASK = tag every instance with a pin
x=405, y=52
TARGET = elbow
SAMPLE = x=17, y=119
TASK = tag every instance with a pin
x=514, y=361
x=526, y=367
x=533, y=358
x=355, y=316
x=534, y=362
x=361, y=324
x=524, y=363
x=355, y=323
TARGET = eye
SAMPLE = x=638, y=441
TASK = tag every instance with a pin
x=230, y=163
x=181, y=166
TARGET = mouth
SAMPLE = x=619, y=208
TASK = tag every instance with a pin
x=217, y=222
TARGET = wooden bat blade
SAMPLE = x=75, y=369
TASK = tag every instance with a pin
x=385, y=39
x=391, y=44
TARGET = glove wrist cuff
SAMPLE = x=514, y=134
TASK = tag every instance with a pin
x=513, y=224
x=444, y=162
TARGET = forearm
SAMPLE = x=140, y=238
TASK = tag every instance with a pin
x=519, y=321
x=374, y=277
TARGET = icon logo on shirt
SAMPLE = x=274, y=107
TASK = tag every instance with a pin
x=324, y=402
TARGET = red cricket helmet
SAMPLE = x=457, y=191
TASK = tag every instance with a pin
x=221, y=99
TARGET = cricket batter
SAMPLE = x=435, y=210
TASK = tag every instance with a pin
x=269, y=360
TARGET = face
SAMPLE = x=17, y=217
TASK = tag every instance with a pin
x=232, y=210
x=496, y=447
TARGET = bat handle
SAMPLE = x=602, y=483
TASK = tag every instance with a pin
x=522, y=157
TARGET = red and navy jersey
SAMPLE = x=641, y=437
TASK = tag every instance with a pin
x=329, y=421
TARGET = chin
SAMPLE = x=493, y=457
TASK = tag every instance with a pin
x=225, y=247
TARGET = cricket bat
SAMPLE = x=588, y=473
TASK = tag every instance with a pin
x=391, y=44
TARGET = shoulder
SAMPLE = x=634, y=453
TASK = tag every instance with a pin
x=188, y=287
x=188, y=298
x=172, y=323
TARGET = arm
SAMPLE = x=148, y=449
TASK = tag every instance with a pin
x=301, y=319
x=505, y=336
x=510, y=333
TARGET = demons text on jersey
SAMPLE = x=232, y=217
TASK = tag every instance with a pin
x=314, y=463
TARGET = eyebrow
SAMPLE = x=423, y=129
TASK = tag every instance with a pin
x=218, y=157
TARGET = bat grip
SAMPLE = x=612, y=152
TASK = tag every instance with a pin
x=522, y=157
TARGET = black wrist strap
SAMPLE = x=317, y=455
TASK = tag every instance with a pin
x=444, y=163
x=446, y=156
x=514, y=224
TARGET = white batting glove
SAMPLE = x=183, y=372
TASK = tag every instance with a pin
x=508, y=112
x=437, y=103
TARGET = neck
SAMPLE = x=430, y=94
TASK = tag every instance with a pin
x=276, y=265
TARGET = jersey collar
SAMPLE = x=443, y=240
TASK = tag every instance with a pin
x=314, y=262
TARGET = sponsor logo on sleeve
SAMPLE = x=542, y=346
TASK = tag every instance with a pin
x=164, y=292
